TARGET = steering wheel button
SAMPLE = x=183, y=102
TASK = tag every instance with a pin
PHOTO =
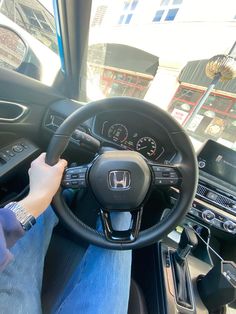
x=82, y=170
x=82, y=183
x=66, y=184
x=158, y=174
x=156, y=168
x=74, y=182
x=165, y=174
x=160, y=181
x=72, y=171
x=166, y=181
x=74, y=176
x=82, y=175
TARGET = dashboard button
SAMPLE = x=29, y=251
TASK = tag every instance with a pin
x=24, y=145
x=10, y=153
x=212, y=196
x=233, y=206
x=230, y=226
x=201, y=164
x=208, y=215
x=4, y=157
x=17, y=148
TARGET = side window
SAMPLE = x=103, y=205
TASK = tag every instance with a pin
x=34, y=18
x=28, y=41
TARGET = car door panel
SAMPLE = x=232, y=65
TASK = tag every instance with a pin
x=29, y=94
x=23, y=103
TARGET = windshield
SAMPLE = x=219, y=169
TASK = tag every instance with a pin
x=159, y=51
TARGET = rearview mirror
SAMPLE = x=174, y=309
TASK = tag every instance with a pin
x=12, y=49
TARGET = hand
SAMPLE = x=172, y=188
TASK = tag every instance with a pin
x=44, y=183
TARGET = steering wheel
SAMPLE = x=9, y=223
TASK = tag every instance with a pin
x=123, y=180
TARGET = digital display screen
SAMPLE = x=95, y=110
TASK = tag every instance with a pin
x=218, y=161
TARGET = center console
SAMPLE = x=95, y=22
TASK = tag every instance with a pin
x=215, y=202
x=213, y=209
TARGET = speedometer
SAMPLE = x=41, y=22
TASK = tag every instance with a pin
x=118, y=132
x=146, y=146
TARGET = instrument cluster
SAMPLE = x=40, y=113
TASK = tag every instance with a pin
x=133, y=133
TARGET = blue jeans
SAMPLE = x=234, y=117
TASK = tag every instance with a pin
x=100, y=283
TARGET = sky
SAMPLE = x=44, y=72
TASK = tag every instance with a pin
x=47, y=4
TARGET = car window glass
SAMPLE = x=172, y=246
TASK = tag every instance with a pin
x=34, y=23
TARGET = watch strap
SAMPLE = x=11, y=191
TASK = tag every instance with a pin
x=26, y=219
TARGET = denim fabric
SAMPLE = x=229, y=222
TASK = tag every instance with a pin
x=100, y=284
x=10, y=232
x=20, y=282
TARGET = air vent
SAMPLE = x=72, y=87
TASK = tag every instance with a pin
x=10, y=112
x=53, y=122
x=201, y=190
x=216, y=198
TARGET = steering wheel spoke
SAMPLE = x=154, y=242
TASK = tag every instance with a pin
x=166, y=175
x=121, y=236
x=76, y=177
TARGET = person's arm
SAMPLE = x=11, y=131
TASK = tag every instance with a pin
x=44, y=183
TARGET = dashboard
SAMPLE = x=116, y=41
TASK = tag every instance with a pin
x=129, y=131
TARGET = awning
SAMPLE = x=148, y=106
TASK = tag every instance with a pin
x=123, y=57
x=194, y=73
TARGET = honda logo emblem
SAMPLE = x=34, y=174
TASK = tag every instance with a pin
x=119, y=180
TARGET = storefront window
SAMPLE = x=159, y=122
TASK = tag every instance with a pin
x=215, y=120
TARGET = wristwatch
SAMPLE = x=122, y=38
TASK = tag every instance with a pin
x=26, y=220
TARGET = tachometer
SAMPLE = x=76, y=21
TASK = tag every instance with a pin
x=146, y=146
x=118, y=132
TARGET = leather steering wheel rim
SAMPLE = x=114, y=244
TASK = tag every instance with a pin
x=180, y=140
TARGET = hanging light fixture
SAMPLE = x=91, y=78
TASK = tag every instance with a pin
x=218, y=68
x=224, y=65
